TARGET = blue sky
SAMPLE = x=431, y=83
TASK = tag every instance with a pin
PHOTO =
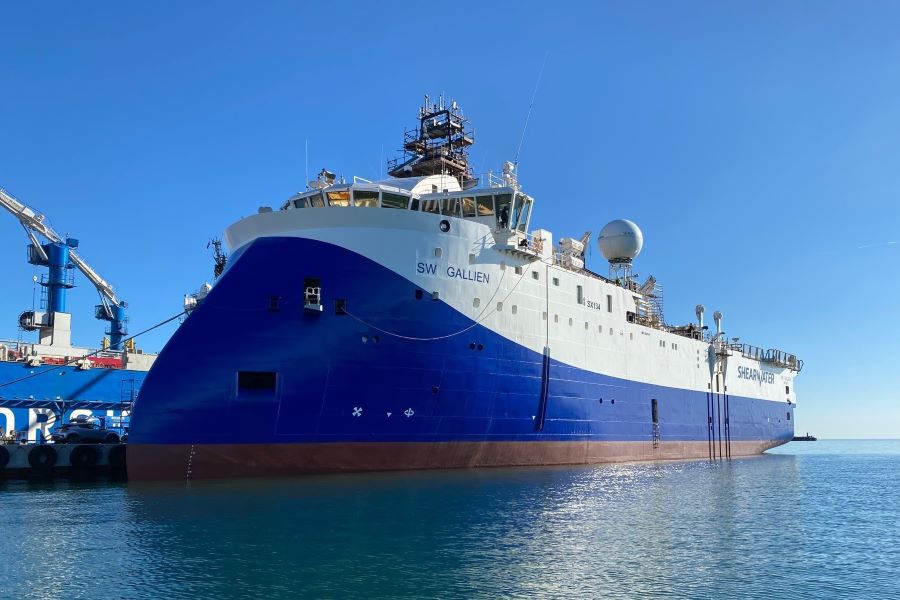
x=755, y=143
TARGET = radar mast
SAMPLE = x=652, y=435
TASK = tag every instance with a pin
x=439, y=146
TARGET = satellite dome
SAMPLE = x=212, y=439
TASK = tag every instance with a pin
x=620, y=241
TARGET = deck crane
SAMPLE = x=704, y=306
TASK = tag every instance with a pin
x=59, y=256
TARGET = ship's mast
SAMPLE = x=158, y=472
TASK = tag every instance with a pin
x=439, y=145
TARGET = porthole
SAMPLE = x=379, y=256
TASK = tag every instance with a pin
x=499, y=306
x=445, y=225
x=476, y=302
x=515, y=309
x=438, y=252
x=519, y=270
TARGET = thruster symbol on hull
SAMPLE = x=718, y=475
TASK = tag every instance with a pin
x=357, y=411
x=409, y=412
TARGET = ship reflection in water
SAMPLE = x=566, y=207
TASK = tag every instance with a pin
x=756, y=526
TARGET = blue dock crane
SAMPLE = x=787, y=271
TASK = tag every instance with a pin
x=59, y=256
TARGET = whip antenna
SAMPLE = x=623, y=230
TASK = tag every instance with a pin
x=531, y=106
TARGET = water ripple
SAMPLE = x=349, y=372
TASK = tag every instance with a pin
x=816, y=520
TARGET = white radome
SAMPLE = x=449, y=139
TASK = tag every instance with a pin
x=620, y=240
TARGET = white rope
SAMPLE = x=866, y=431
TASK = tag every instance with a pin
x=478, y=320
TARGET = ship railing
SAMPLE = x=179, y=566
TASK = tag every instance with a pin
x=519, y=243
x=749, y=351
x=772, y=356
x=688, y=331
x=783, y=359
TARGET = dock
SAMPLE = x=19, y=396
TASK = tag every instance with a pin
x=45, y=462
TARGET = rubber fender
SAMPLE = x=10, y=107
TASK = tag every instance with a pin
x=42, y=457
x=4, y=457
x=117, y=456
x=83, y=457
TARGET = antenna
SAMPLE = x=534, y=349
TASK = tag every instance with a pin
x=530, y=106
x=306, y=142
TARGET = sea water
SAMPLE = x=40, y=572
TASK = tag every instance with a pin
x=818, y=519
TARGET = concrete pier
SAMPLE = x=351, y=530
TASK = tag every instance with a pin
x=63, y=461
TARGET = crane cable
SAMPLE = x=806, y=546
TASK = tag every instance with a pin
x=95, y=352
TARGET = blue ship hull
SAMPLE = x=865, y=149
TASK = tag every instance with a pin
x=329, y=391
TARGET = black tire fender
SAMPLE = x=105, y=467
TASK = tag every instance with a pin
x=83, y=457
x=4, y=457
x=42, y=457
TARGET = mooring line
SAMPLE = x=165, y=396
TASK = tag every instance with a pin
x=94, y=353
x=478, y=320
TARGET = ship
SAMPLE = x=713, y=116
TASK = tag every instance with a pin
x=48, y=381
x=421, y=321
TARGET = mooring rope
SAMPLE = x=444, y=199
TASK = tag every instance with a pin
x=481, y=317
x=94, y=353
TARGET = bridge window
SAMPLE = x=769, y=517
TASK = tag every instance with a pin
x=316, y=200
x=365, y=198
x=468, y=207
x=341, y=198
x=485, y=206
x=301, y=202
x=523, y=211
x=503, y=204
x=389, y=200
x=450, y=207
x=431, y=206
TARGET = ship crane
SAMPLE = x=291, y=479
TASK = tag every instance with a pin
x=59, y=256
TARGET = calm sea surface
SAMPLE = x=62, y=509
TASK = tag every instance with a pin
x=808, y=520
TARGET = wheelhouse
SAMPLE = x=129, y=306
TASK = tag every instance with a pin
x=501, y=208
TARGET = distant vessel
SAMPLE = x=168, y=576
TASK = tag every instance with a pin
x=805, y=438
x=50, y=380
x=420, y=322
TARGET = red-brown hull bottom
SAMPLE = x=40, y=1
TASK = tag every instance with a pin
x=148, y=462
